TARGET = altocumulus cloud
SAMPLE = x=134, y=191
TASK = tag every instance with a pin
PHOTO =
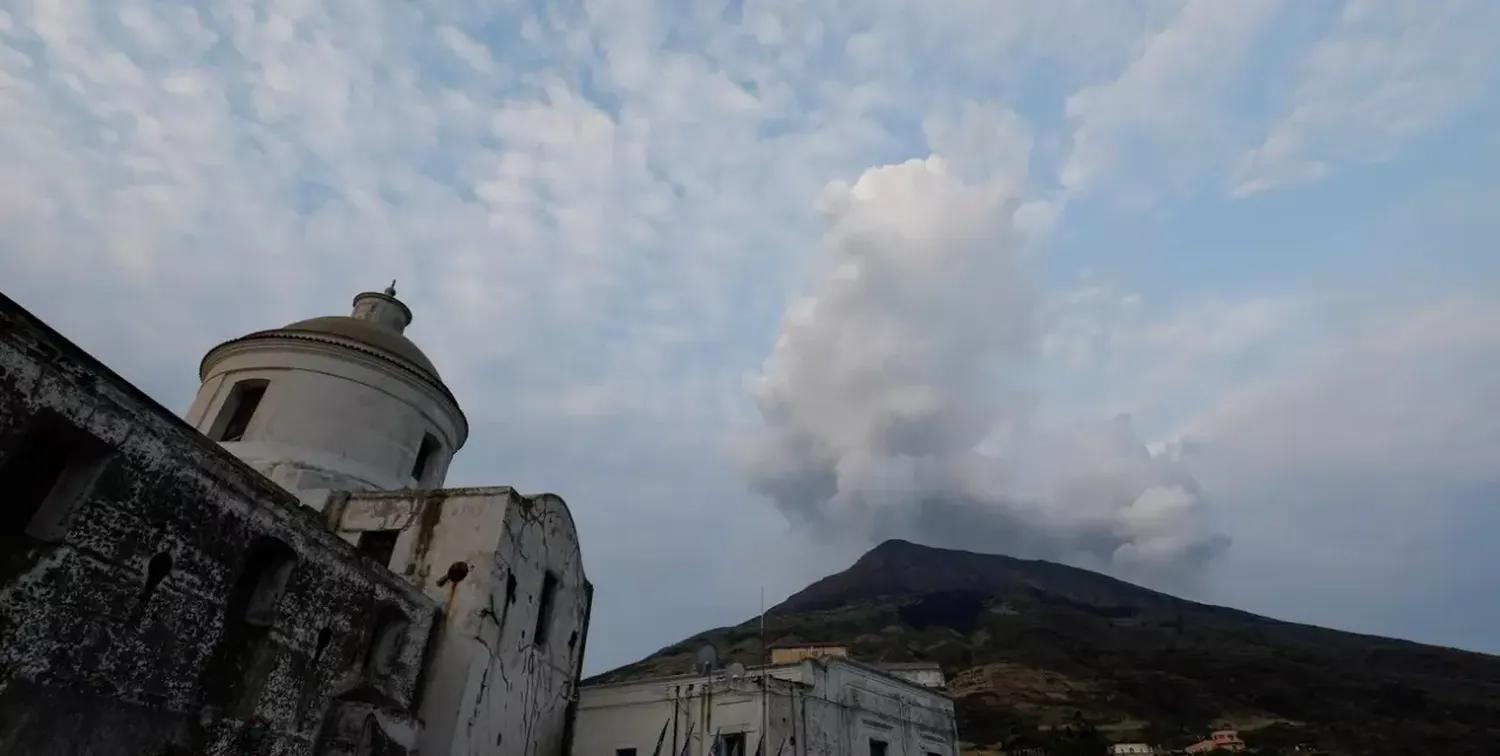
x=950, y=247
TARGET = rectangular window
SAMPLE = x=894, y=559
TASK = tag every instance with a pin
x=378, y=544
x=877, y=747
x=238, y=410
x=48, y=473
x=544, y=609
x=426, y=453
x=734, y=744
x=624, y=752
x=256, y=596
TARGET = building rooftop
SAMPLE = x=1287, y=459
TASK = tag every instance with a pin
x=884, y=671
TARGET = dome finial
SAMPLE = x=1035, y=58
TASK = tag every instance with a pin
x=390, y=291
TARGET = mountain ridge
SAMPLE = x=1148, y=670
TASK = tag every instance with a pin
x=1033, y=648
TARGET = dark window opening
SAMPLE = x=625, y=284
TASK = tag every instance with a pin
x=238, y=410
x=385, y=642
x=156, y=571
x=325, y=636
x=50, y=470
x=369, y=737
x=734, y=744
x=245, y=657
x=544, y=609
x=378, y=544
x=877, y=747
x=624, y=752
x=425, y=456
x=258, y=591
x=510, y=598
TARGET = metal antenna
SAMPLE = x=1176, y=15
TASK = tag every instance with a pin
x=765, y=672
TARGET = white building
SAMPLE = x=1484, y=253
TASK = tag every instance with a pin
x=333, y=403
x=348, y=414
x=827, y=706
x=925, y=674
x=1132, y=749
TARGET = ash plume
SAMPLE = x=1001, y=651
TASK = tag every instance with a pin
x=892, y=402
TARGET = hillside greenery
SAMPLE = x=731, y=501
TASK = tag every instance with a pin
x=1039, y=654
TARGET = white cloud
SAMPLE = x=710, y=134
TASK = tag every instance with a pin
x=1406, y=395
x=600, y=211
x=890, y=377
x=1166, y=110
x=1390, y=71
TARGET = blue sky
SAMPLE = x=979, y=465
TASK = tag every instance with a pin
x=720, y=272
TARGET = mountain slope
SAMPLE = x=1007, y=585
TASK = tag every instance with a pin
x=1033, y=646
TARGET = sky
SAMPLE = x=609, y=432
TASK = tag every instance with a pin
x=1202, y=294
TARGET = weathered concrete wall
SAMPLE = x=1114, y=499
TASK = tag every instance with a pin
x=816, y=709
x=493, y=687
x=166, y=599
x=853, y=705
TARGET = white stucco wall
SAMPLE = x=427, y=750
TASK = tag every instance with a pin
x=833, y=708
x=331, y=418
x=490, y=688
x=680, y=711
x=925, y=675
x=864, y=704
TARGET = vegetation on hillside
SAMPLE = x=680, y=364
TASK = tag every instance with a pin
x=1043, y=655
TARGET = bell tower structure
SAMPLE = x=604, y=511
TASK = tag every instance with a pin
x=340, y=402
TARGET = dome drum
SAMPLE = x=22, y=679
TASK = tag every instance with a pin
x=333, y=398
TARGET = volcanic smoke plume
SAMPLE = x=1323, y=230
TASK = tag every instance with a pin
x=892, y=408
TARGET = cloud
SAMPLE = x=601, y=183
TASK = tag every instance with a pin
x=888, y=378
x=1167, y=107
x=1369, y=462
x=1387, y=73
x=1405, y=395
x=599, y=213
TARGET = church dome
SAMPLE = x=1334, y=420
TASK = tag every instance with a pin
x=375, y=327
x=338, y=402
x=365, y=333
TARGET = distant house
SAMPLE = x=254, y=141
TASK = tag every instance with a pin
x=818, y=706
x=1219, y=740
x=925, y=674
x=1132, y=749
x=791, y=653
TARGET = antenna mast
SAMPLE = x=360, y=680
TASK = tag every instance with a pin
x=765, y=684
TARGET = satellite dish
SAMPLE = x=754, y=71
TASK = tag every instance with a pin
x=735, y=670
x=706, y=659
